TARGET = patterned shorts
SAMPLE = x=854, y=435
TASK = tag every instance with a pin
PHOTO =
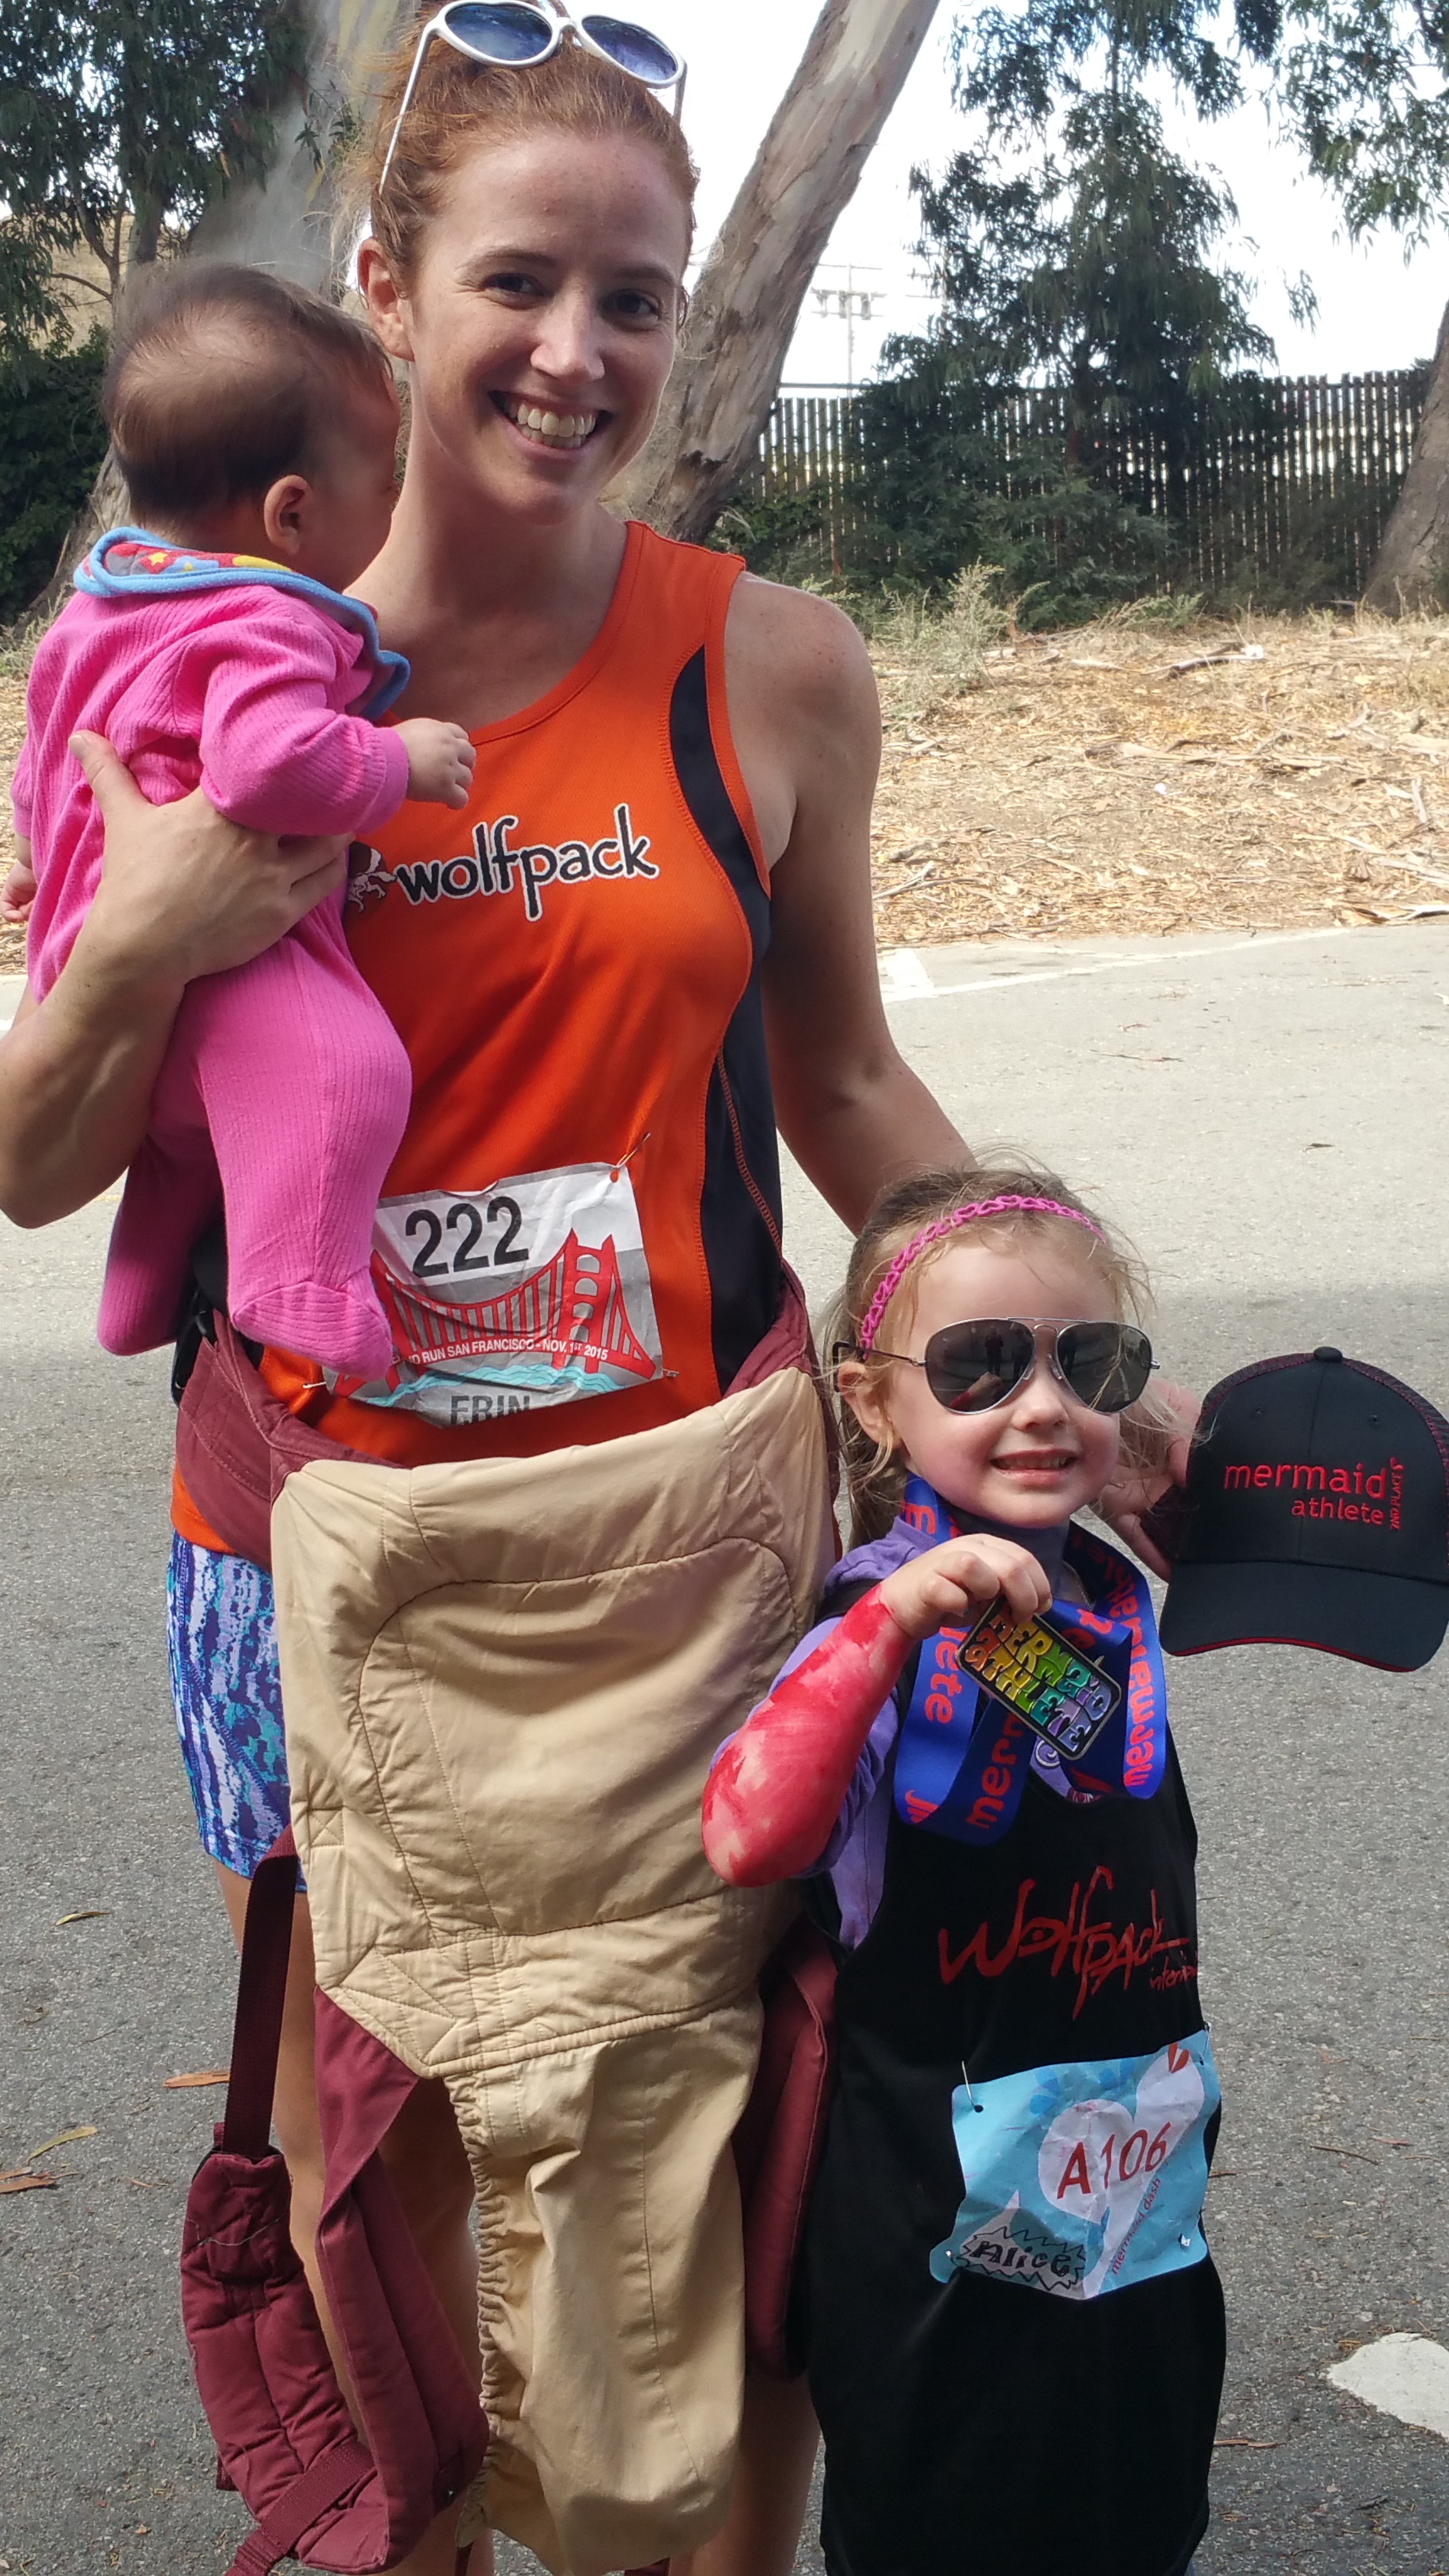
x=222, y=1638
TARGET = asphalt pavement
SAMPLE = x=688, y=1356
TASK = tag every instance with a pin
x=1270, y=1121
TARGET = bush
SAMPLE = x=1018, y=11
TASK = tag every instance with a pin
x=52, y=442
x=939, y=644
x=1071, y=552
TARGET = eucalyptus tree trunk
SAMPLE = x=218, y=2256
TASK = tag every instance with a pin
x=289, y=224
x=745, y=306
x=1411, y=568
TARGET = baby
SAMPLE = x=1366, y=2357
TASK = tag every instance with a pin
x=256, y=427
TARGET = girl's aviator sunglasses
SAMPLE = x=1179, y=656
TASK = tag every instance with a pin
x=511, y=34
x=971, y=1367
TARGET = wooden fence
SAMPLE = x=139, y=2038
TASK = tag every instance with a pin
x=1276, y=476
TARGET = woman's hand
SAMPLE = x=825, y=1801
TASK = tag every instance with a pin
x=1132, y=1494
x=184, y=892
x=962, y=1577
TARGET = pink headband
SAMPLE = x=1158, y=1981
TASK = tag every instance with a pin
x=875, y=1313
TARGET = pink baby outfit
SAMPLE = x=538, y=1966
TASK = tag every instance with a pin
x=285, y=1088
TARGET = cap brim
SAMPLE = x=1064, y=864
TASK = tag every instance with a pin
x=1385, y=1619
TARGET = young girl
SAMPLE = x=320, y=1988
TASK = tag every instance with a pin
x=257, y=430
x=1014, y=2329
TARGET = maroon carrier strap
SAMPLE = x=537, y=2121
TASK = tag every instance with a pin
x=781, y=2135
x=352, y=2499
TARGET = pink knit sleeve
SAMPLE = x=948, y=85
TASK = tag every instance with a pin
x=22, y=789
x=279, y=752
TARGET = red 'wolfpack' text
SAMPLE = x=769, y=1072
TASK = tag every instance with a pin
x=1093, y=1950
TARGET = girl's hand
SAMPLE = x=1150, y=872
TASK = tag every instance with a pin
x=184, y=892
x=1123, y=1502
x=947, y=1582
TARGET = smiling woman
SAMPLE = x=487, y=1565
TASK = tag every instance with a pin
x=646, y=937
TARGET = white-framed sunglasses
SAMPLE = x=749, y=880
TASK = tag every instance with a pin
x=512, y=34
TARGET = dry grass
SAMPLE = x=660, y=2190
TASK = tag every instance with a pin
x=1114, y=779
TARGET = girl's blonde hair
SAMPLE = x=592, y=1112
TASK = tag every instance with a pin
x=458, y=104
x=875, y=1472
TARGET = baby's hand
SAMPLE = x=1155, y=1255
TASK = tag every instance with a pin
x=17, y=894
x=962, y=1577
x=441, y=761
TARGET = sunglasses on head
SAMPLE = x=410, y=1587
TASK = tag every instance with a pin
x=971, y=1367
x=512, y=34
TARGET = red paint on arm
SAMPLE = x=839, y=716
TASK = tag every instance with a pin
x=775, y=1793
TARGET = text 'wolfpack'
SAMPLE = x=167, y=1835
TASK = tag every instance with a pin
x=491, y=868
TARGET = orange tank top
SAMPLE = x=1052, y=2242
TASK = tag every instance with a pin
x=580, y=1236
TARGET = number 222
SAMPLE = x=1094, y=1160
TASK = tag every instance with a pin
x=464, y=1218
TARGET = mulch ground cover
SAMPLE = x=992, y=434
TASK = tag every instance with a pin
x=1281, y=773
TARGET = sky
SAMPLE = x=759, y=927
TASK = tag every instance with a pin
x=1375, y=310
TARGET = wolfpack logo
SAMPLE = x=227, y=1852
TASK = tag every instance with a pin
x=491, y=868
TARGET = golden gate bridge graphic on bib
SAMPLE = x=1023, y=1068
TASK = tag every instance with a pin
x=535, y=1289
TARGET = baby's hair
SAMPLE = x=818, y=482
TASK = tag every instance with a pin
x=459, y=104
x=875, y=1473
x=222, y=379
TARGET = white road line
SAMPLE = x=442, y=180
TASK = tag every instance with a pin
x=1400, y=2374
x=905, y=979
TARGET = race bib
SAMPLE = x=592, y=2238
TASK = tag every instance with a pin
x=532, y=1292
x=1084, y=2179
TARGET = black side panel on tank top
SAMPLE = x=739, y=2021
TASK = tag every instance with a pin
x=740, y=1205
x=976, y=2427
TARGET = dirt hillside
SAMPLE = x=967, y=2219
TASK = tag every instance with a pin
x=1279, y=774
x=1276, y=775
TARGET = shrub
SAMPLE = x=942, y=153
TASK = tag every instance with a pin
x=52, y=442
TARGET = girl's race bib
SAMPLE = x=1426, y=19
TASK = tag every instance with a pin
x=1082, y=2179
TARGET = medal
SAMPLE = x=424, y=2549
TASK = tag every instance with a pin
x=1085, y=1684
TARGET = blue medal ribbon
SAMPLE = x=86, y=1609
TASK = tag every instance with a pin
x=962, y=1758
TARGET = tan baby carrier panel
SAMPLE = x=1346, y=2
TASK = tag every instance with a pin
x=504, y=1681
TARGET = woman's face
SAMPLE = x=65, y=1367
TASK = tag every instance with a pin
x=540, y=324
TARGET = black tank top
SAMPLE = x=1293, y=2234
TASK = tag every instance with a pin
x=976, y=2426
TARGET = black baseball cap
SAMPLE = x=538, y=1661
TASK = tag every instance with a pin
x=1317, y=1514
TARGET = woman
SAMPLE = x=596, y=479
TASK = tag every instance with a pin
x=594, y=988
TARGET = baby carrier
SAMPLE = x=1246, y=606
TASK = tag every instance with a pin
x=504, y=1681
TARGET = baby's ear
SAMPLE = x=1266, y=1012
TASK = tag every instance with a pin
x=285, y=510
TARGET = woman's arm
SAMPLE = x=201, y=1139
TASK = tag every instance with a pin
x=806, y=722
x=183, y=894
